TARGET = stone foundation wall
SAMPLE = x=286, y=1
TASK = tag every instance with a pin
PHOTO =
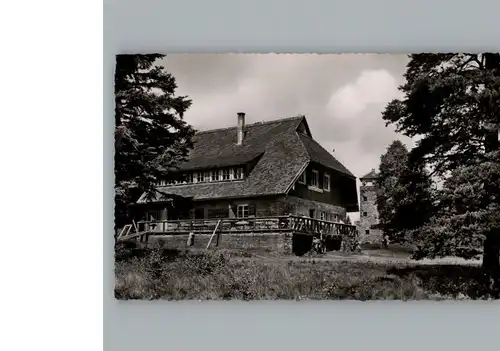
x=278, y=243
x=270, y=243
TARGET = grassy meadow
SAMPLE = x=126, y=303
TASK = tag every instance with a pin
x=221, y=274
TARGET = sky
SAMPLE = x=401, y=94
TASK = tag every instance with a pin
x=342, y=96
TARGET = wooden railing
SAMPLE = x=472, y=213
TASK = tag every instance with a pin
x=230, y=225
x=316, y=226
x=289, y=223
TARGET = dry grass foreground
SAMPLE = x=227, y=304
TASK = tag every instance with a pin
x=214, y=275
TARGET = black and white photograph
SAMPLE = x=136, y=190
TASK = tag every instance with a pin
x=307, y=176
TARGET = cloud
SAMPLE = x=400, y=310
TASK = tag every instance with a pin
x=371, y=87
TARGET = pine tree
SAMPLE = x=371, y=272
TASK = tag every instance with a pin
x=151, y=137
x=452, y=101
x=404, y=196
x=468, y=211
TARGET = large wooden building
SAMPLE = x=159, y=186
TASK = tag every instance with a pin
x=262, y=169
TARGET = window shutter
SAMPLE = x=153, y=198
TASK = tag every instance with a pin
x=232, y=211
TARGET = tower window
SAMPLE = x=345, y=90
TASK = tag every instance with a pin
x=367, y=231
x=365, y=198
x=365, y=214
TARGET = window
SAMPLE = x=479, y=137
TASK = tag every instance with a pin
x=312, y=213
x=302, y=178
x=242, y=211
x=365, y=214
x=199, y=177
x=215, y=176
x=199, y=213
x=322, y=216
x=237, y=173
x=326, y=182
x=315, y=178
x=367, y=231
x=208, y=176
x=365, y=198
x=225, y=174
x=184, y=178
x=154, y=215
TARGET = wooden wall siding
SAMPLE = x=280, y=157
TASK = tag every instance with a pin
x=258, y=207
x=340, y=194
x=281, y=205
x=271, y=206
x=300, y=207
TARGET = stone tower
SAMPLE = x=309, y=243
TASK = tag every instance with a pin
x=368, y=214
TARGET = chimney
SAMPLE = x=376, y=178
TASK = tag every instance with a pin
x=241, y=127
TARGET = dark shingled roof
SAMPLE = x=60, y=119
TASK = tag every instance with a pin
x=318, y=154
x=371, y=175
x=283, y=153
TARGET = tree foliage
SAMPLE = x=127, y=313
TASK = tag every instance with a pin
x=151, y=137
x=468, y=212
x=404, y=196
x=452, y=102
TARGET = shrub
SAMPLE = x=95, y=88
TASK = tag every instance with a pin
x=172, y=274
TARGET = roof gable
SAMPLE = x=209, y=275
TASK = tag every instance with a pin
x=318, y=154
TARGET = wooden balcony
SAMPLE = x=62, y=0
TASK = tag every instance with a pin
x=291, y=224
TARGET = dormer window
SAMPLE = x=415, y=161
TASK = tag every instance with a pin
x=215, y=176
x=199, y=177
x=208, y=176
x=237, y=173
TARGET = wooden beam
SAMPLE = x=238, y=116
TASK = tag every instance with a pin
x=213, y=234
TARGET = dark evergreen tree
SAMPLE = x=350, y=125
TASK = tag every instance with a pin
x=151, y=136
x=452, y=101
x=404, y=195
